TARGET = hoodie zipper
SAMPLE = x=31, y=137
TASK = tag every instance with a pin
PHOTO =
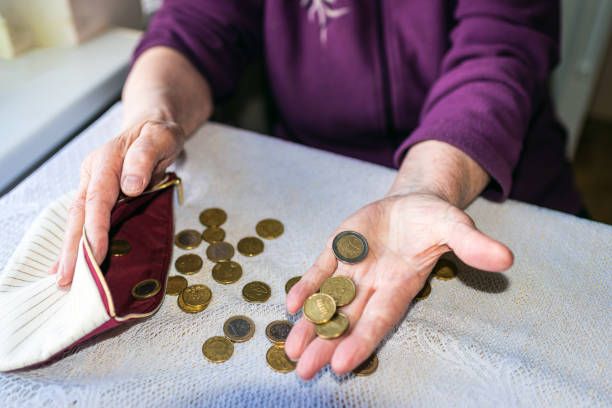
x=384, y=68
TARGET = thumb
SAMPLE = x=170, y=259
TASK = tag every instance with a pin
x=478, y=250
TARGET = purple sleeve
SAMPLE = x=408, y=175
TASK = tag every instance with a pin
x=219, y=37
x=491, y=79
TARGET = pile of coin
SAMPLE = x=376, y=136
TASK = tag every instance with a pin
x=277, y=332
x=321, y=308
x=237, y=329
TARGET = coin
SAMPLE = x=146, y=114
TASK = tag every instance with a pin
x=334, y=328
x=226, y=272
x=188, y=264
x=239, y=329
x=278, y=360
x=187, y=308
x=368, y=366
x=196, y=295
x=119, y=247
x=217, y=349
x=269, y=228
x=213, y=234
x=175, y=285
x=319, y=308
x=341, y=288
x=278, y=330
x=250, y=246
x=445, y=270
x=213, y=217
x=424, y=292
x=256, y=292
x=350, y=247
x=188, y=239
x=220, y=251
x=291, y=282
x=146, y=289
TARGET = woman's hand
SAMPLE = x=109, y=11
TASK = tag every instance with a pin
x=129, y=163
x=406, y=234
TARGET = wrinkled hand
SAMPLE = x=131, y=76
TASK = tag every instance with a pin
x=406, y=235
x=133, y=160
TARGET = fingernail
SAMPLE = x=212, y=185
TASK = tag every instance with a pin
x=131, y=184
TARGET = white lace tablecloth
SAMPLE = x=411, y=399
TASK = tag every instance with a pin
x=538, y=335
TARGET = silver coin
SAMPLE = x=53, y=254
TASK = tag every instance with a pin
x=350, y=247
x=239, y=328
x=188, y=239
x=278, y=331
x=220, y=251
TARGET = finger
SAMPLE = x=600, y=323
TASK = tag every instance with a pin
x=101, y=196
x=156, y=144
x=318, y=352
x=478, y=250
x=74, y=230
x=299, y=337
x=323, y=268
x=383, y=310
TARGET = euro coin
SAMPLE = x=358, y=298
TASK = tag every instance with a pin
x=217, y=349
x=256, y=292
x=188, y=308
x=278, y=360
x=350, y=247
x=269, y=228
x=188, y=264
x=226, y=272
x=239, y=329
x=213, y=217
x=291, y=282
x=213, y=234
x=250, y=246
x=196, y=295
x=220, y=251
x=423, y=293
x=445, y=270
x=341, y=288
x=367, y=367
x=319, y=308
x=188, y=239
x=119, y=247
x=278, y=331
x=334, y=328
x=146, y=289
x=175, y=285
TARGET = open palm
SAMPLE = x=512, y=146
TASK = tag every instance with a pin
x=406, y=235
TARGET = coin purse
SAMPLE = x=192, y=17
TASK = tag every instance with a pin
x=38, y=320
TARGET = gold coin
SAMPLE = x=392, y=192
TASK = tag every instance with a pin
x=217, y=349
x=119, y=247
x=213, y=217
x=350, y=247
x=278, y=330
x=188, y=264
x=226, y=272
x=341, y=288
x=239, y=329
x=291, y=282
x=196, y=295
x=188, y=239
x=187, y=308
x=334, y=328
x=250, y=246
x=445, y=270
x=269, y=228
x=319, y=308
x=424, y=292
x=220, y=251
x=175, y=285
x=256, y=292
x=368, y=366
x=146, y=289
x=213, y=234
x=278, y=360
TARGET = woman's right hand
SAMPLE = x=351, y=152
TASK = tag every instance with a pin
x=131, y=161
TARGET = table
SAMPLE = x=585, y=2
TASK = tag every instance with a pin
x=539, y=334
x=48, y=94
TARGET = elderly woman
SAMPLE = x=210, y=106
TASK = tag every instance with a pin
x=453, y=93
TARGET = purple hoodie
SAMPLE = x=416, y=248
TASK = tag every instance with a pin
x=370, y=78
